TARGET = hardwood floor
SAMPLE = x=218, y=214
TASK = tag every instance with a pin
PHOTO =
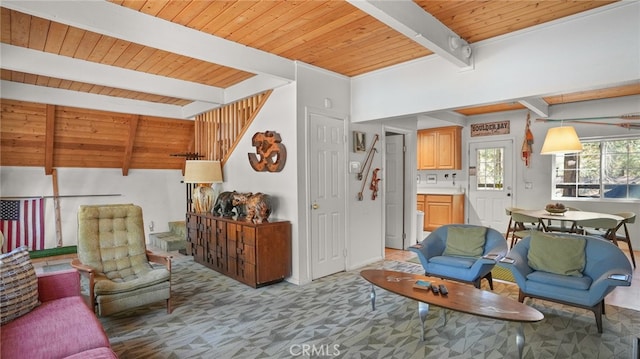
x=626, y=297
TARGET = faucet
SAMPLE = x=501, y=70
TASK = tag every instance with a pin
x=453, y=176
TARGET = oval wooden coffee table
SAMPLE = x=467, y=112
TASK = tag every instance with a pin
x=461, y=297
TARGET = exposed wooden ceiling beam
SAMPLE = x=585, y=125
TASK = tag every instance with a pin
x=411, y=20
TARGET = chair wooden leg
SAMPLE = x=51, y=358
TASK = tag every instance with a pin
x=521, y=296
x=628, y=240
x=598, y=310
x=509, y=229
x=489, y=278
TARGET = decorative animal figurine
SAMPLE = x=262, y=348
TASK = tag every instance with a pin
x=238, y=202
x=258, y=206
x=224, y=204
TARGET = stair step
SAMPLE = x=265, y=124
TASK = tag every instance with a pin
x=168, y=241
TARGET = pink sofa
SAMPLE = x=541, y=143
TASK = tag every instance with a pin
x=62, y=326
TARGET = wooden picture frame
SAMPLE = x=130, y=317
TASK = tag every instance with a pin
x=359, y=142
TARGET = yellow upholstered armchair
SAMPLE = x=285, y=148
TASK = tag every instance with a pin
x=113, y=255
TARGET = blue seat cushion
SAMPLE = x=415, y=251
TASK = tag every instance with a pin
x=454, y=261
x=559, y=280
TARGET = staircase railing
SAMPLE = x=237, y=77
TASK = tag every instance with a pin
x=217, y=132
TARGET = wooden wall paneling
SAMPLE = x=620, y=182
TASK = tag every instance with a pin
x=22, y=133
x=131, y=138
x=158, y=138
x=57, y=136
x=49, y=138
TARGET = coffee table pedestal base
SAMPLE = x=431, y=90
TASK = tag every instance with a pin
x=423, y=311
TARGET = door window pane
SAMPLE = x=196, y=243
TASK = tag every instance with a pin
x=490, y=169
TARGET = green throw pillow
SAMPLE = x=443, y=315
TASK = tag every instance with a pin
x=559, y=255
x=465, y=241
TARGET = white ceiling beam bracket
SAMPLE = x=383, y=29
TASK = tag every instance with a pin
x=408, y=18
x=537, y=105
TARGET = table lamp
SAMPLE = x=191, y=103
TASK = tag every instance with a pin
x=204, y=173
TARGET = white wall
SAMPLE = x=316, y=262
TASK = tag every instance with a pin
x=366, y=221
x=597, y=49
x=159, y=193
x=539, y=172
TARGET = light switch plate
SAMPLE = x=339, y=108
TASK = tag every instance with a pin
x=354, y=167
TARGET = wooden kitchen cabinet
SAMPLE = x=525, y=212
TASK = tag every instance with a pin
x=256, y=254
x=441, y=209
x=440, y=148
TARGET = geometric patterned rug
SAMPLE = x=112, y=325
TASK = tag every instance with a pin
x=217, y=317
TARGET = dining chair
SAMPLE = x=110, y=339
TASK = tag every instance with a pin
x=523, y=226
x=603, y=227
x=629, y=217
x=606, y=228
x=511, y=226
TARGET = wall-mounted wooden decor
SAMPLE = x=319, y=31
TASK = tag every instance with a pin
x=270, y=155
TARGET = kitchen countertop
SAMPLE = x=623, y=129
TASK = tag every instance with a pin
x=440, y=190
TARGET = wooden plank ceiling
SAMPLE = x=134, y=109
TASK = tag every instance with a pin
x=329, y=34
x=334, y=35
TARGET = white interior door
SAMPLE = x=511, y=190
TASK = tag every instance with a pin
x=490, y=183
x=394, y=191
x=327, y=195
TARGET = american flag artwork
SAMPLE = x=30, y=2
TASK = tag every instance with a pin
x=22, y=223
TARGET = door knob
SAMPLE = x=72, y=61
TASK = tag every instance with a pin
x=315, y=206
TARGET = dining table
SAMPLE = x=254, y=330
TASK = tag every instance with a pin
x=571, y=216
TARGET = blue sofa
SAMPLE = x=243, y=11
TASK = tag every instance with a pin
x=604, y=262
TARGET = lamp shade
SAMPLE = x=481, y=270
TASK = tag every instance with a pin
x=202, y=172
x=561, y=140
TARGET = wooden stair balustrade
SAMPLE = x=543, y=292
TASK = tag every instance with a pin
x=217, y=132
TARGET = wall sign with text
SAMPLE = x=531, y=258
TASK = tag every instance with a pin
x=490, y=128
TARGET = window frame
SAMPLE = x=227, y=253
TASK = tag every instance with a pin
x=600, y=185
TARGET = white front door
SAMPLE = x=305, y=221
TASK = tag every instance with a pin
x=327, y=194
x=490, y=183
x=394, y=191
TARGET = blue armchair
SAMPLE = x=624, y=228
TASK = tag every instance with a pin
x=462, y=268
x=605, y=268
